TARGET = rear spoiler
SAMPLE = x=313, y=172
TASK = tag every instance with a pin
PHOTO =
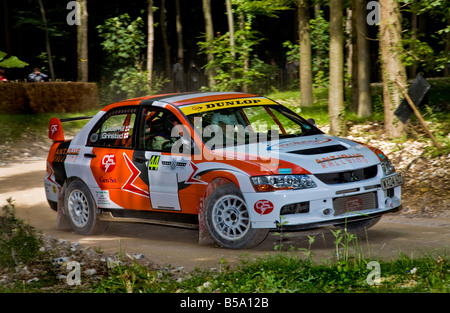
x=55, y=131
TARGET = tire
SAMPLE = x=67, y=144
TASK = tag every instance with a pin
x=228, y=220
x=360, y=225
x=80, y=209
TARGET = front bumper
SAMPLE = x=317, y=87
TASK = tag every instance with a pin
x=324, y=205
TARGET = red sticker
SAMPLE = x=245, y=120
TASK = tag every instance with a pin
x=108, y=163
x=354, y=204
x=263, y=207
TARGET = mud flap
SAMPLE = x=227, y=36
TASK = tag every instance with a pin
x=204, y=238
x=61, y=220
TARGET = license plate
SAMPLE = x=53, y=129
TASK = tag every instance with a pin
x=392, y=181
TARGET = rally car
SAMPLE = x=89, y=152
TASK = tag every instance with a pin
x=232, y=165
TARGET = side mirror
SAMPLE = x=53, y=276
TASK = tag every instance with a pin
x=312, y=121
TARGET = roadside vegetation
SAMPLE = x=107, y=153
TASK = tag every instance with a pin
x=29, y=266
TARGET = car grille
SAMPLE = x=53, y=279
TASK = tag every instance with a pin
x=349, y=176
x=355, y=203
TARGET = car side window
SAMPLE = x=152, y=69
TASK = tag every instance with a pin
x=161, y=130
x=115, y=129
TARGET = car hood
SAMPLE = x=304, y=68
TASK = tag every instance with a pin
x=314, y=154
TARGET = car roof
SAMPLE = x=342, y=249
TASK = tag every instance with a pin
x=183, y=99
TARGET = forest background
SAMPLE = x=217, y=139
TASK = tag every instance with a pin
x=261, y=46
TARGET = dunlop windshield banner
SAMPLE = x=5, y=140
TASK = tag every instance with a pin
x=222, y=104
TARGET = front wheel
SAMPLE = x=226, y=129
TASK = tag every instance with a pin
x=80, y=208
x=228, y=219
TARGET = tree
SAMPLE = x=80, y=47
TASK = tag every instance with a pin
x=82, y=42
x=47, y=40
x=179, y=25
x=304, y=31
x=363, y=61
x=393, y=70
x=209, y=32
x=150, y=39
x=165, y=39
x=336, y=88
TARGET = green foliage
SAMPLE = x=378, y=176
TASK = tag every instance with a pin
x=320, y=38
x=18, y=241
x=124, y=44
x=230, y=73
x=11, y=62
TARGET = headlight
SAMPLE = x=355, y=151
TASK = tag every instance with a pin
x=282, y=182
x=387, y=166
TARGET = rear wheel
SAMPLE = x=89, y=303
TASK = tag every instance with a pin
x=228, y=219
x=80, y=208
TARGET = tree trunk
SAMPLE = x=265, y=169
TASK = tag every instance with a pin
x=393, y=70
x=336, y=88
x=364, y=99
x=231, y=31
x=245, y=53
x=47, y=41
x=164, y=39
x=82, y=45
x=304, y=31
x=447, y=49
x=150, y=40
x=354, y=61
x=209, y=38
x=180, y=51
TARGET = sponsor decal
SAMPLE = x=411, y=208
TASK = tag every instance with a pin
x=285, y=171
x=216, y=105
x=153, y=163
x=102, y=197
x=53, y=129
x=174, y=165
x=354, y=204
x=342, y=159
x=107, y=180
x=108, y=163
x=263, y=207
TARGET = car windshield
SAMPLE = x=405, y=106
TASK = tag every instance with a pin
x=243, y=125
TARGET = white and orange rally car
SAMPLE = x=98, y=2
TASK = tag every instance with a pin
x=233, y=165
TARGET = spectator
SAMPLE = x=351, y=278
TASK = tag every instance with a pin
x=194, y=74
x=3, y=76
x=178, y=73
x=37, y=76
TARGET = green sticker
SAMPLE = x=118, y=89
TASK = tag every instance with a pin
x=153, y=163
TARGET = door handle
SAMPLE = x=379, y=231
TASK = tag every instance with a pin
x=140, y=159
x=90, y=155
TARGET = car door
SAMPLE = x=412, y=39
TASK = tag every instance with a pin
x=117, y=181
x=166, y=166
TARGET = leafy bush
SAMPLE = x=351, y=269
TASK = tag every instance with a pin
x=19, y=242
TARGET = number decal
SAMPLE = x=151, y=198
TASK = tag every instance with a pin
x=153, y=163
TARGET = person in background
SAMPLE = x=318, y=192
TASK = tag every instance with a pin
x=178, y=73
x=37, y=76
x=3, y=78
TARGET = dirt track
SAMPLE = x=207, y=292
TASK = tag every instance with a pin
x=179, y=247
